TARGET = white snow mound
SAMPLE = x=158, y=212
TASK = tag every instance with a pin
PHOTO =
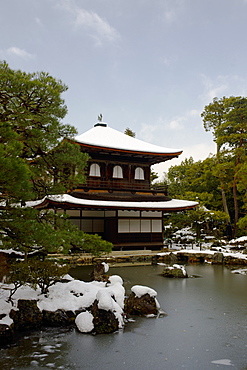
x=84, y=322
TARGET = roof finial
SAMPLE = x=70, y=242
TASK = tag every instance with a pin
x=100, y=117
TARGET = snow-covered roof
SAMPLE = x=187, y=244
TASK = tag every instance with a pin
x=173, y=204
x=104, y=136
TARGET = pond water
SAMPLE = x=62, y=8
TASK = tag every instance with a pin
x=205, y=328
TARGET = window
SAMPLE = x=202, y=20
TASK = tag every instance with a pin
x=117, y=172
x=139, y=173
x=94, y=170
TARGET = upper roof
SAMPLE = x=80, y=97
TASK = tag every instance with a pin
x=103, y=136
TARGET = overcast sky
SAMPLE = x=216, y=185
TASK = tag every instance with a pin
x=150, y=65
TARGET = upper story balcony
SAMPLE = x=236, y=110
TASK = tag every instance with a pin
x=123, y=185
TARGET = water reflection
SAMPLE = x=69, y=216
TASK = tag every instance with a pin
x=206, y=328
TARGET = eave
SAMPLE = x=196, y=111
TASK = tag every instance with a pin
x=115, y=153
x=68, y=202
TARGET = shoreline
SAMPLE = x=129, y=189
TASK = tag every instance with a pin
x=147, y=257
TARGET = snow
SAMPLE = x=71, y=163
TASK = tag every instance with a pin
x=180, y=267
x=9, y=251
x=105, y=301
x=106, y=267
x=107, y=137
x=224, y=361
x=155, y=205
x=197, y=250
x=140, y=290
x=73, y=295
x=239, y=271
x=84, y=322
x=117, y=289
x=240, y=240
x=70, y=296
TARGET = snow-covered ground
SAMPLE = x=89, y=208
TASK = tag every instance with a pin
x=70, y=296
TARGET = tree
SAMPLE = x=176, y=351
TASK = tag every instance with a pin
x=227, y=117
x=213, y=116
x=194, y=181
x=129, y=132
x=37, y=158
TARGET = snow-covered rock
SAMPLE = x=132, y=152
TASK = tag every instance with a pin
x=175, y=271
x=142, y=301
x=84, y=322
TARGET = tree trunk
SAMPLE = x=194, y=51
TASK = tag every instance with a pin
x=235, y=200
x=224, y=202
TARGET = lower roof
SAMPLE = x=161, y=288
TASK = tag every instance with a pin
x=68, y=201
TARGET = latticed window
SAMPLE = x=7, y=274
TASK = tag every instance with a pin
x=94, y=170
x=139, y=173
x=117, y=172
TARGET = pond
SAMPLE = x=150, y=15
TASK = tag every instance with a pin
x=205, y=328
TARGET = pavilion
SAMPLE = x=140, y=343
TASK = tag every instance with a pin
x=118, y=201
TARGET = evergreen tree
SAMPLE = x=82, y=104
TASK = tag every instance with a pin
x=227, y=117
x=36, y=159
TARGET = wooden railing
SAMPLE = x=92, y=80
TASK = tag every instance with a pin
x=124, y=185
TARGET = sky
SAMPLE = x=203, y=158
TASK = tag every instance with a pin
x=150, y=65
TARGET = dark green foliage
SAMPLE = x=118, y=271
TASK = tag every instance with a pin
x=129, y=132
x=42, y=274
x=46, y=273
x=37, y=158
x=18, y=275
x=195, y=181
x=227, y=118
x=95, y=245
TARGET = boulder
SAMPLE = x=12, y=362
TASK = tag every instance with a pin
x=99, y=272
x=104, y=321
x=175, y=271
x=141, y=306
x=217, y=258
x=58, y=318
x=231, y=260
x=28, y=316
x=6, y=334
x=167, y=258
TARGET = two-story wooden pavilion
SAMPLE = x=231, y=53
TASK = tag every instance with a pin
x=117, y=201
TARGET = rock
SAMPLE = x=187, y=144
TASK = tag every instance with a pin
x=6, y=334
x=217, y=258
x=167, y=258
x=58, y=318
x=98, y=273
x=141, y=306
x=104, y=321
x=175, y=271
x=28, y=315
x=231, y=260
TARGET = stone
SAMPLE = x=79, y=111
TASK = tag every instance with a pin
x=168, y=258
x=99, y=272
x=175, y=272
x=140, y=306
x=58, y=318
x=105, y=322
x=217, y=258
x=6, y=334
x=231, y=260
x=28, y=316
